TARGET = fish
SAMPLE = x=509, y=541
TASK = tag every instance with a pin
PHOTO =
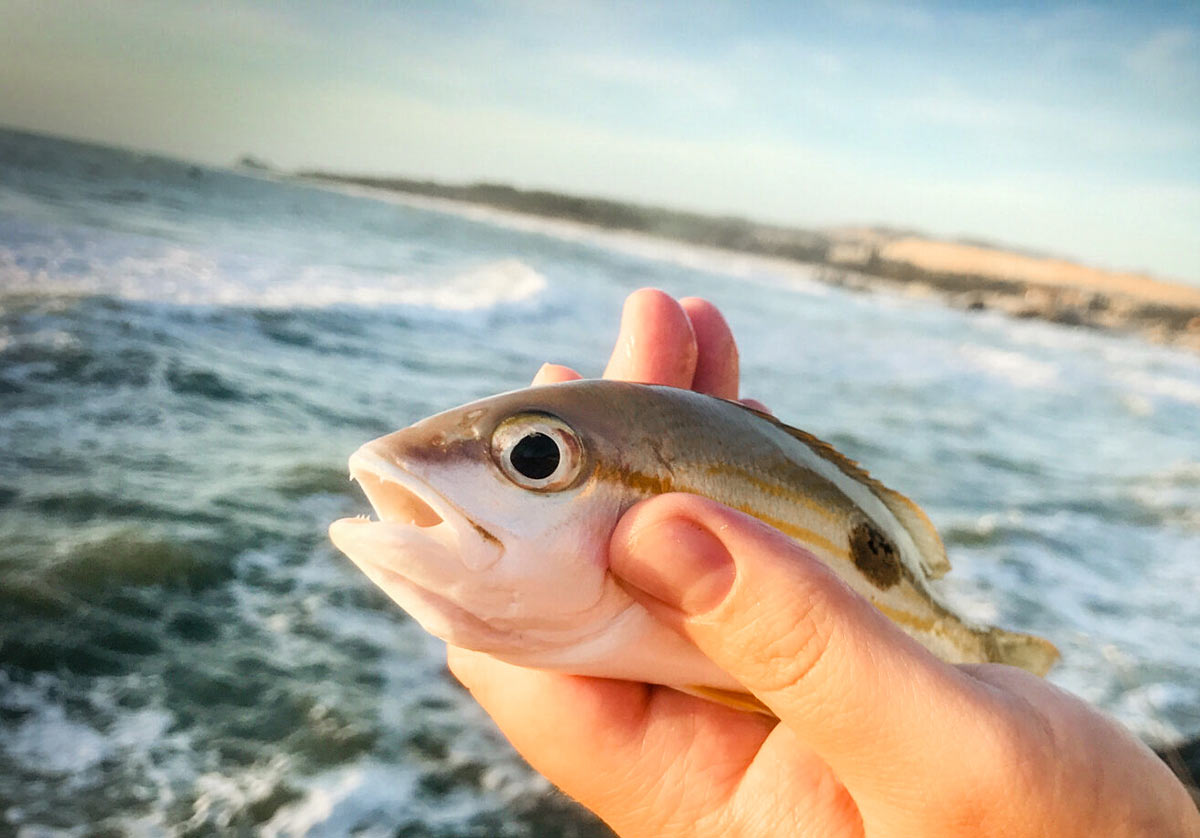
x=494, y=521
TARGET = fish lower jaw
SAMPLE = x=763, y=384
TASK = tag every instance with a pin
x=442, y=616
x=439, y=616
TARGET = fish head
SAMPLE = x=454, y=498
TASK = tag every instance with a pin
x=494, y=521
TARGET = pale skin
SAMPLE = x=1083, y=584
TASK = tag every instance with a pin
x=875, y=736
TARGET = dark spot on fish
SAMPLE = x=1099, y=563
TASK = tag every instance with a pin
x=875, y=555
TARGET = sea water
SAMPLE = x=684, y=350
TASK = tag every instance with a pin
x=188, y=356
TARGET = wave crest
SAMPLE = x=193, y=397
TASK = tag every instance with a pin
x=181, y=276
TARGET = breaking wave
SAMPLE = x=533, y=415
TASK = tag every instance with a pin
x=1016, y=368
x=181, y=276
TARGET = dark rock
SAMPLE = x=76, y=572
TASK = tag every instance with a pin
x=1067, y=316
x=249, y=161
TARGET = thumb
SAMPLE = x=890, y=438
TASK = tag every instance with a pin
x=881, y=711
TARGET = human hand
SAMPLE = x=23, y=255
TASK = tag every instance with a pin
x=875, y=737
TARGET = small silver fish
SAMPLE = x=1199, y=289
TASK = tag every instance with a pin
x=495, y=520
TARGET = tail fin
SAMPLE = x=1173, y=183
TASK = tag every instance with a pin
x=1027, y=651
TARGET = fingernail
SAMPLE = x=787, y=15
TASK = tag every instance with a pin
x=678, y=562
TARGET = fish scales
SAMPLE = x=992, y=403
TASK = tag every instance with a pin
x=771, y=483
x=496, y=518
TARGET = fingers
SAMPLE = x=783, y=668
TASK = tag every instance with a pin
x=618, y=747
x=716, y=352
x=822, y=658
x=553, y=374
x=681, y=344
x=656, y=344
x=614, y=710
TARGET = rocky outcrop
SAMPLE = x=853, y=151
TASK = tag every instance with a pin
x=1160, y=322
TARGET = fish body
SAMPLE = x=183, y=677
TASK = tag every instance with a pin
x=495, y=520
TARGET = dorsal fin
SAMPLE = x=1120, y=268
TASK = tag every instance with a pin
x=931, y=552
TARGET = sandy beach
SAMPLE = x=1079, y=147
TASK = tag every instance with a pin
x=975, y=276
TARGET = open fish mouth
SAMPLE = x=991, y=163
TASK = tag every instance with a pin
x=395, y=493
x=419, y=534
x=421, y=543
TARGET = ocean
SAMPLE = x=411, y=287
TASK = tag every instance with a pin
x=188, y=355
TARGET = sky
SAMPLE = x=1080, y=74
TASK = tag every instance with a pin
x=1068, y=129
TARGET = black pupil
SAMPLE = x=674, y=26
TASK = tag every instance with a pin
x=535, y=456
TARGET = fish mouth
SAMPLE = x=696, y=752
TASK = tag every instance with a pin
x=415, y=524
x=396, y=494
x=421, y=550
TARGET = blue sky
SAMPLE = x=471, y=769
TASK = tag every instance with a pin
x=1073, y=129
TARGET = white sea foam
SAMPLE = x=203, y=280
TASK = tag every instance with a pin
x=50, y=742
x=1015, y=367
x=371, y=798
x=334, y=804
x=1171, y=387
x=182, y=276
x=223, y=795
x=1170, y=494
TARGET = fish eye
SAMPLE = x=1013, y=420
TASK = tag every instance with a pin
x=538, y=451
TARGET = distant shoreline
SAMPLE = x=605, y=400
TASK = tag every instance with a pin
x=965, y=275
